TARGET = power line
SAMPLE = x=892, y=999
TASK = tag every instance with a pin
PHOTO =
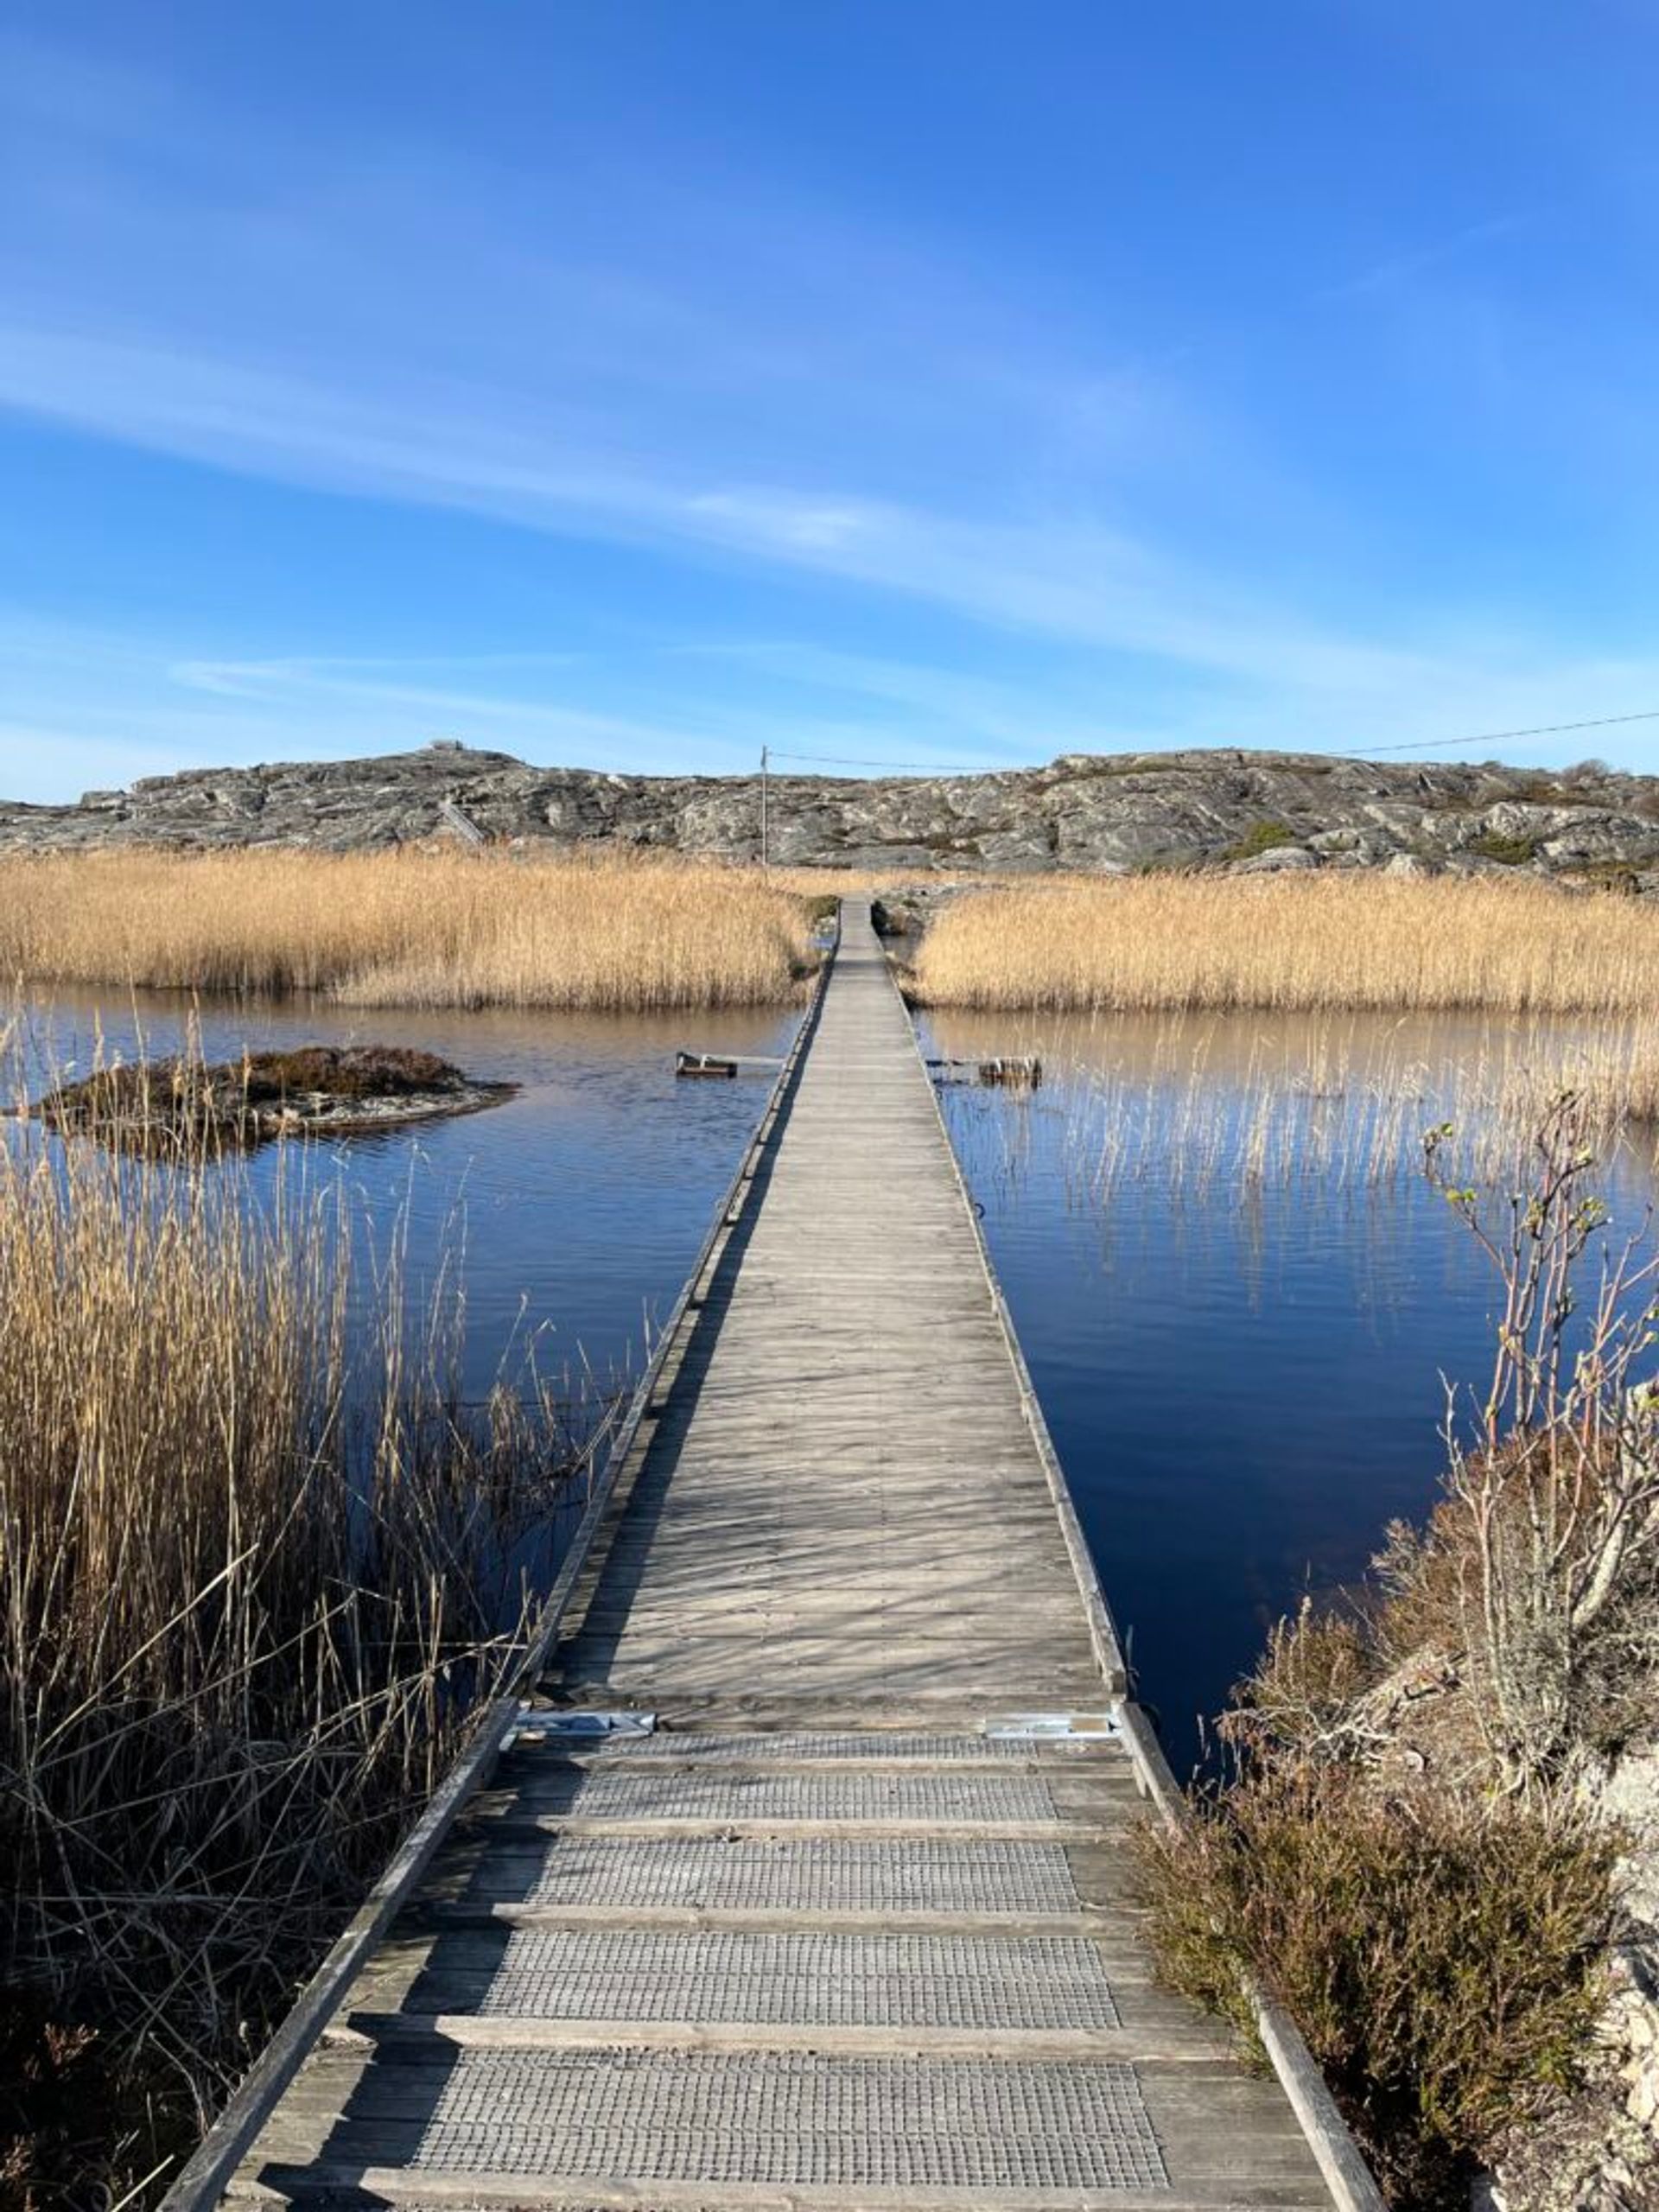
x=1503, y=736
x=915, y=767
x=1419, y=744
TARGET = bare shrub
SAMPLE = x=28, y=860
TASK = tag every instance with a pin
x=1396, y=1852
x=1555, y=1526
x=1304, y=1694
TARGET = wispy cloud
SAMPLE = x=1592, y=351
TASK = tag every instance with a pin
x=1062, y=574
x=1412, y=262
x=87, y=708
x=348, y=672
x=93, y=708
x=1012, y=522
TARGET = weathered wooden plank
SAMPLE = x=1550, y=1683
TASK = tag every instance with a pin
x=368, y=2186
x=414, y=2035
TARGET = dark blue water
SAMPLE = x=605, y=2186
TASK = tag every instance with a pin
x=1245, y=1382
x=1245, y=1379
x=566, y=1218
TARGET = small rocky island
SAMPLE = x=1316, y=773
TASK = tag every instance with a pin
x=310, y=1091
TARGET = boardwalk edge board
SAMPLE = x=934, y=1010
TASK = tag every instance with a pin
x=203, y=2179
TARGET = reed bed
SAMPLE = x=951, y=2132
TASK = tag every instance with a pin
x=408, y=928
x=1201, y=1109
x=1162, y=943
x=257, y=1567
x=1332, y=1110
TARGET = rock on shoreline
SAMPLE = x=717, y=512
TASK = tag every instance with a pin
x=1249, y=812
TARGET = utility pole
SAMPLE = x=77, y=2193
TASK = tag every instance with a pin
x=766, y=853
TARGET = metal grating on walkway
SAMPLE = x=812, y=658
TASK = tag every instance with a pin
x=809, y=1980
x=621, y=1794
x=615, y=1873
x=793, y=2119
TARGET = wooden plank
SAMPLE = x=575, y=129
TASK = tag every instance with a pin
x=416, y=2035
x=365, y=2185
x=202, y=2179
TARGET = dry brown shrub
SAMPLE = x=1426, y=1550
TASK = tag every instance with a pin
x=51, y=2081
x=1444, y=1959
x=1304, y=1694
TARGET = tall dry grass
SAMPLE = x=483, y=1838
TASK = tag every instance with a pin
x=1148, y=945
x=256, y=1567
x=415, y=928
x=1337, y=1103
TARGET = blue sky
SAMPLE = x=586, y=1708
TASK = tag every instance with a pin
x=633, y=382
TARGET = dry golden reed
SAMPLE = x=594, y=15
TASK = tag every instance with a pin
x=1150, y=944
x=258, y=1559
x=415, y=928
x=1337, y=1102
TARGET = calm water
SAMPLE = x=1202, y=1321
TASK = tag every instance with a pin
x=576, y=1208
x=1244, y=1381
x=1244, y=1377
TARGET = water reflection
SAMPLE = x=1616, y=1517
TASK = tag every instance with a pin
x=1245, y=1368
x=571, y=1213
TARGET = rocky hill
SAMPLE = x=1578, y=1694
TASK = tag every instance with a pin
x=1119, y=812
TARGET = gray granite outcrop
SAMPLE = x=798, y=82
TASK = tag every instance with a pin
x=1115, y=813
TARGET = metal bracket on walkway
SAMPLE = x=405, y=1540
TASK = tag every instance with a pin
x=541, y=1724
x=1053, y=1727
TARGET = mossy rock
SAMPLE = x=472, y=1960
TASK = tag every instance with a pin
x=1508, y=852
x=1265, y=836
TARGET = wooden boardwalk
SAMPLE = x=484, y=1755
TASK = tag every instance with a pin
x=828, y=1938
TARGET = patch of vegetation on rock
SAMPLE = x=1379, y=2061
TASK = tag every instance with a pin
x=1508, y=852
x=1265, y=836
x=1619, y=876
x=325, y=1088
x=1171, y=860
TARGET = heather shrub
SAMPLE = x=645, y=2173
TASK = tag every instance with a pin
x=1443, y=1959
